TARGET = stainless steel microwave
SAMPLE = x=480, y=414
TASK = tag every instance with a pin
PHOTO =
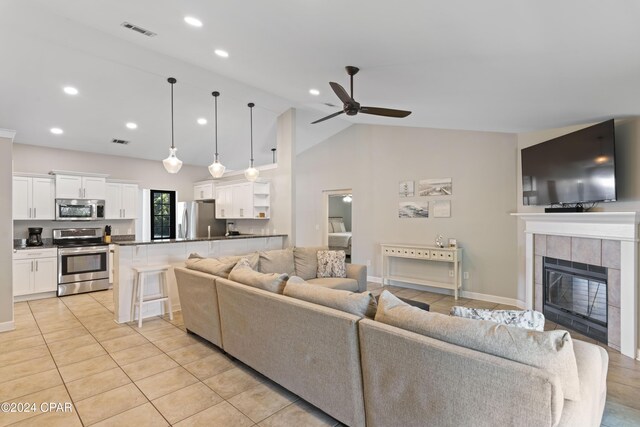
x=79, y=210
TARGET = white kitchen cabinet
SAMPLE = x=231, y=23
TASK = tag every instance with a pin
x=224, y=202
x=35, y=271
x=246, y=200
x=33, y=198
x=204, y=190
x=80, y=187
x=121, y=201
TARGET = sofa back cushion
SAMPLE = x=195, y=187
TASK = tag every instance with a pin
x=306, y=261
x=243, y=273
x=277, y=261
x=361, y=304
x=550, y=351
x=220, y=267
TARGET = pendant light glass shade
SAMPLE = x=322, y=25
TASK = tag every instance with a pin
x=251, y=173
x=216, y=169
x=172, y=163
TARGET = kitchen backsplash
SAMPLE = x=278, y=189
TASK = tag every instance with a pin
x=118, y=227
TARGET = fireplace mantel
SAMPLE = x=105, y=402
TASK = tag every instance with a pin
x=620, y=226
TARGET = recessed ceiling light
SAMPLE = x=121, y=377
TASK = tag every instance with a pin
x=202, y=121
x=132, y=125
x=221, y=53
x=193, y=21
x=56, y=131
x=70, y=90
x=314, y=92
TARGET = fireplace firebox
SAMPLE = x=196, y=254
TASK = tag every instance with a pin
x=575, y=296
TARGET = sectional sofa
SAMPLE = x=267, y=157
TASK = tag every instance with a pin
x=367, y=372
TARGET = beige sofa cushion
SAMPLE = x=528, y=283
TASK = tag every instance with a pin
x=360, y=304
x=243, y=273
x=277, y=261
x=306, y=261
x=551, y=351
x=220, y=267
x=344, y=284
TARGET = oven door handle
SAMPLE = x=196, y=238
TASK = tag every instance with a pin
x=84, y=250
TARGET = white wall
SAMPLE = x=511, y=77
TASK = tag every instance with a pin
x=6, y=235
x=372, y=160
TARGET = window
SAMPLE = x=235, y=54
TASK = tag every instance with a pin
x=163, y=214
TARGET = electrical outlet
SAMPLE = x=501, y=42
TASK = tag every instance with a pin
x=450, y=273
x=465, y=275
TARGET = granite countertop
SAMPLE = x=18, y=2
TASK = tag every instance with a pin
x=197, y=239
x=18, y=247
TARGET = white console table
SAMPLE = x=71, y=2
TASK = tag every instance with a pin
x=423, y=253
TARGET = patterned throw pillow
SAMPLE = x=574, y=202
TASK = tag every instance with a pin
x=527, y=319
x=331, y=264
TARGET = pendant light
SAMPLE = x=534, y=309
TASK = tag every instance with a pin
x=251, y=173
x=216, y=169
x=172, y=164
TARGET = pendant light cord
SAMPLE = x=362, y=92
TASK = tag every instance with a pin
x=215, y=94
x=172, y=81
x=251, y=105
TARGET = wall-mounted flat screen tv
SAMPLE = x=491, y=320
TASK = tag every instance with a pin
x=574, y=168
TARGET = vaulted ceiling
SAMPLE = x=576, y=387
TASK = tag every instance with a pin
x=498, y=65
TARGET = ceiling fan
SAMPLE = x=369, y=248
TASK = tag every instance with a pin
x=351, y=107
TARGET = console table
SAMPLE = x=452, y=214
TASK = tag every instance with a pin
x=423, y=253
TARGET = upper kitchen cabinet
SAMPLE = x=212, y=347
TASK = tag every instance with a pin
x=33, y=197
x=121, y=201
x=204, y=190
x=81, y=186
x=246, y=200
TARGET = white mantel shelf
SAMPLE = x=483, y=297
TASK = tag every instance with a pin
x=620, y=226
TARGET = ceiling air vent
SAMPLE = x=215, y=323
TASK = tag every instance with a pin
x=120, y=141
x=138, y=29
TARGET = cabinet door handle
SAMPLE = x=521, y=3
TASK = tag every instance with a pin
x=29, y=212
x=36, y=265
x=35, y=215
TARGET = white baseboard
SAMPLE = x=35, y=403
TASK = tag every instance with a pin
x=638, y=355
x=376, y=280
x=465, y=294
x=7, y=326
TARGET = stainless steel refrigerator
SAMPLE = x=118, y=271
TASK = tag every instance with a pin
x=198, y=219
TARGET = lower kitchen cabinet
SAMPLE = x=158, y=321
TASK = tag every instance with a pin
x=35, y=271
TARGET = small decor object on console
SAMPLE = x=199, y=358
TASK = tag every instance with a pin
x=527, y=319
x=331, y=264
x=440, y=241
x=453, y=243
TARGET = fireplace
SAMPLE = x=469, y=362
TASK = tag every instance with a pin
x=575, y=296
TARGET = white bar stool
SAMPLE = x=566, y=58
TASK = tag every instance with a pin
x=141, y=273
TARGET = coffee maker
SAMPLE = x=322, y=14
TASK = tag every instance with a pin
x=35, y=236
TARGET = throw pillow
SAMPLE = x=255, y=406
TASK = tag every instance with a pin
x=361, y=304
x=277, y=261
x=220, y=267
x=527, y=319
x=306, y=261
x=550, y=351
x=331, y=264
x=243, y=273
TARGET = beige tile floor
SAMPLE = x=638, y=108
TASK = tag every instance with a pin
x=70, y=350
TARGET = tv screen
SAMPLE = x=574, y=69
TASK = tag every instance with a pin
x=574, y=168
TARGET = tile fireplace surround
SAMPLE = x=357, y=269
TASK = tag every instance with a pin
x=599, y=238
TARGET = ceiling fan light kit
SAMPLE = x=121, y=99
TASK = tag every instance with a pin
x=172, y=163
x=251, y=173
x=216, y=169
x=351, y=107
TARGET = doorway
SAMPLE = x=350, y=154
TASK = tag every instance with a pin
x=339, y=221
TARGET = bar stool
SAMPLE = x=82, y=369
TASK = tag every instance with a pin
x=141, y=273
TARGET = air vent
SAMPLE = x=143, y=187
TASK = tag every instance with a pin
x=120, y=141
x=328, y=104
x=138, y=29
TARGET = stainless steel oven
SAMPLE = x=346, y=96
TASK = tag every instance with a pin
x=83, y=261
x=79, y=210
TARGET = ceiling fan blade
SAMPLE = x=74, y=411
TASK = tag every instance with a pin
x=387, y=112
x=342, y=94
x=328, y=117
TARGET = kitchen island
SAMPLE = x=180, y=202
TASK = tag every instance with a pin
x=174, y=252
